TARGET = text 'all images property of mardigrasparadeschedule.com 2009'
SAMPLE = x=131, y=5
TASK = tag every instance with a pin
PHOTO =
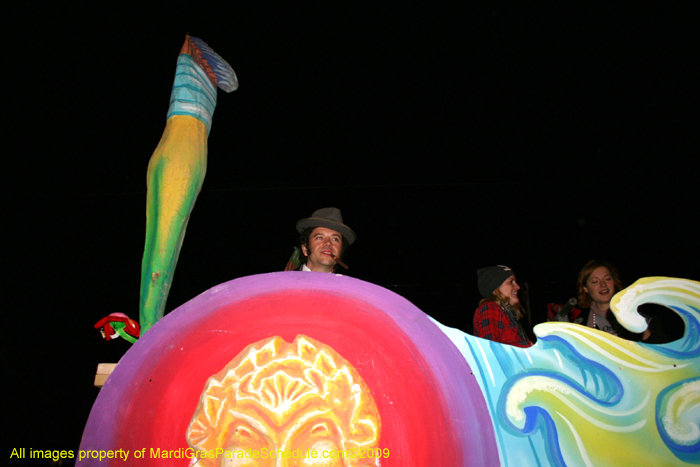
x=189, y=453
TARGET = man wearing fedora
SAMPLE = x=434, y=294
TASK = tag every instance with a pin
x=324, y=238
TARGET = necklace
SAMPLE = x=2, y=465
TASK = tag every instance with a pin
x=601, y=323
x=597, y=322
x=594, y=310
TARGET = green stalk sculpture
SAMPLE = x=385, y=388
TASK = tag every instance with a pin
x=177, y=168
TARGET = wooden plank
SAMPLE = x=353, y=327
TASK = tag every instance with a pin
x=105, y=368
x=103, y=372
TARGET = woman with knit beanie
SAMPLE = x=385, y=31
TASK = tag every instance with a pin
x=498, y=313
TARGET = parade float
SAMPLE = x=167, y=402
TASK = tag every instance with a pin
x=293, y=368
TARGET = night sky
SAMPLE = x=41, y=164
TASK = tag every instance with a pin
x=451, y=137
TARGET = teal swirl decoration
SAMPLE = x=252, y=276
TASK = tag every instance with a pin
x=581, y=397
x=677, y=415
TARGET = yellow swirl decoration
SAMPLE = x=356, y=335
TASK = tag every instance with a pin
x=602, y=400
x=666, y=290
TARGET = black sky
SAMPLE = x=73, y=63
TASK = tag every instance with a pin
x=452, y=137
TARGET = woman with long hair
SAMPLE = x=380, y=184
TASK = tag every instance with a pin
x=597, y=283
x=497, y=317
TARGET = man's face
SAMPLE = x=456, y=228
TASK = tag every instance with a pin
x=324, y=244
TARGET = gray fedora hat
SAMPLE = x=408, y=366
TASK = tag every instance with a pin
x=329, y=218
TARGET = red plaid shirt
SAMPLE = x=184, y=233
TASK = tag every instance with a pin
x=493, y=322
